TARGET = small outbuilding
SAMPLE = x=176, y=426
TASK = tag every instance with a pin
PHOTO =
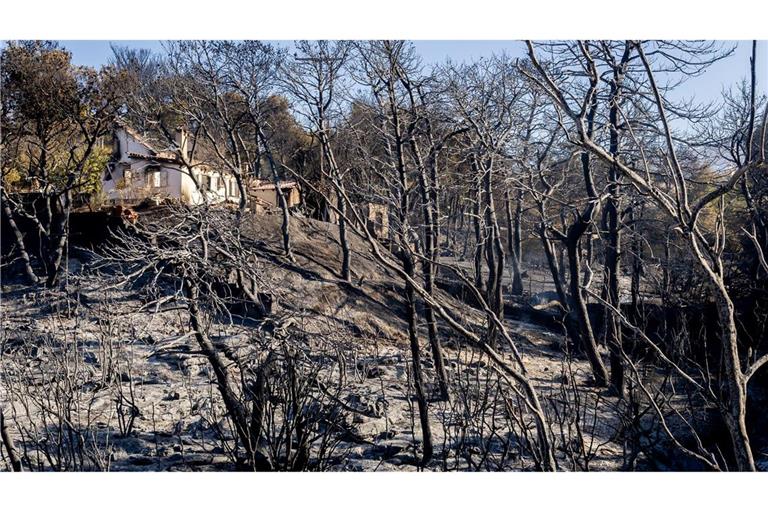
x=377, y=219
x=264, y=193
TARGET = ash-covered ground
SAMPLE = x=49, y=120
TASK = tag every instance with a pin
x=101, y=377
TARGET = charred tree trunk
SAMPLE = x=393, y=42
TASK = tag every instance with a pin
x=612, y=268
x=494, y=250
x=733, y=383
x=7, y=441
x=346, y=258
x=637, y=266
x=479, y=240
x=57, y=241
x=418, y=372
x=734, y=403
x=327, y=152
x=666, y=279
x=579, y=309
x=224, y=380
x=427, y=185
x=20, y=245
x=613, y=228
x=285, y=228
x=406, y=257
x=562, y=263
x=570, y=323
x=514, y=240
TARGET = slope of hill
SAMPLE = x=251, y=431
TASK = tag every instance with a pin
x=146, y=400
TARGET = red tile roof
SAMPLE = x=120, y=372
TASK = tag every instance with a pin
x=269, y=185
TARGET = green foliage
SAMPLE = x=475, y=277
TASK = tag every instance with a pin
x=55, y=117
x=93, y=169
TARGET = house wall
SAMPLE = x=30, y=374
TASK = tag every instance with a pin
x=189, y=192
x=133, y=187
x=377, y=219
x=293, y=197
x=267, y=196
x=192, y=195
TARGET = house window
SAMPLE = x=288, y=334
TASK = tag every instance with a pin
x=108, y=171
x=205, y=183
x=156, y=177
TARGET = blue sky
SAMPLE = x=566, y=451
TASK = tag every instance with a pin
x=705, y=88
x=94, y=53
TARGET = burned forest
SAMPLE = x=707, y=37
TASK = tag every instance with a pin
x=345, y=256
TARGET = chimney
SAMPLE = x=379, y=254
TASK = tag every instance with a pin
x=182, y=141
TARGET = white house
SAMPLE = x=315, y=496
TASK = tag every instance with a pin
x=138, y=171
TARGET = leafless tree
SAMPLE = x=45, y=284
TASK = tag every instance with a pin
x=677, y=203
x=55, y=116
x=315, y=80
x=486, y=96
